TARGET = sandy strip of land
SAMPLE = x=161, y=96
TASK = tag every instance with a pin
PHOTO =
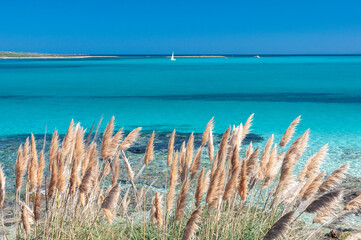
x=200, y=56
x=56, y=57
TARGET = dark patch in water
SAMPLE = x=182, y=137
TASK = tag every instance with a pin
x=238, y=97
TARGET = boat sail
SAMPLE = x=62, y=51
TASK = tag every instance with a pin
x=172, y=59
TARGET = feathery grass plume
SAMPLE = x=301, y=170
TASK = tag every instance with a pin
x=223, y=144
x=74, y=176
x=116, y=168
x=232, y=183
x=189, y=150
x=60, y=175
x=172, y=183
x=314, y=186
x=182, y=163
x=79, y=146
x=306, y=186
x=110, y=201
x=86, y=184
x=68, y=139
x=249, y=150
x=89, y=153
x=20, y=167
x=247, y=126
x=125, y=203
x=207, y=131
x=326, y=214
x=334, y=179
x=26, y=218
x=265, y=156
x=2, y=187
x=210, y=146
x=157, y=212
x=354, y=205
x=53, y=179
x=200, y=189
x=323, y=202
x=37, y=209
x=107, y=139
x=150, y=150
x=280, y=227
x=182, y=200
x=289, y=132
x=315, y=164
x=26, y=151
x=196, y=163
x=33, y=164
x=116, y=139
x=127, y=166
x=234, y=158
x=40, y=170
x=252, y=162
x=272, y=167
x=130, y=139
x=243, y=181
x=216, y=186
x=54, y=145
x=192, y=224
x=170, y=148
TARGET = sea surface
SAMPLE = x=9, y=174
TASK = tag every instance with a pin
x=162, y=95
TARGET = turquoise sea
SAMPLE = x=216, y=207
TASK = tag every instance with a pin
x=159, y=94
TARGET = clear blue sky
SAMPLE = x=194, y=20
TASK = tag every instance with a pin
x=151, y=27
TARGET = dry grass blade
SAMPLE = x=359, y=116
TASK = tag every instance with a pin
x=149, y=152
x=196, y=163
x=192, y=224
x=127, y=166
x=116, y=168
x=170, y=148
x=323, y=202
x=279, y=228
x=354, y=205
x=189, y=150
x=334, y=179
x=110, y=201
x=130, y=139
x=289, y=132
x=207, y=131
x=182, y=200
x=20, y=167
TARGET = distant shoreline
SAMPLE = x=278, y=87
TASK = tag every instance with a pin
x=55, y=57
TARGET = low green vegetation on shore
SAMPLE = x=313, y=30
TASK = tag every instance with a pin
x=211, y=191
x=20, y=55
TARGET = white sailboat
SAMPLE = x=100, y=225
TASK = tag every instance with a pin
x=172, y=59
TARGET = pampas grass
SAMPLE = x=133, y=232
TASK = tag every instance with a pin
x=242, y=193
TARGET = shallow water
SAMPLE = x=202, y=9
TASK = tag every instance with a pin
x=158, y=94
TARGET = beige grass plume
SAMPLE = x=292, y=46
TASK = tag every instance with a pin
x=27, y=218
x=232, y=183
x=33, y=164
x=110, y=202
x=89, y=154
x=249, y=150
x=170, y=148
x=243, y=181
x=325, y=215
x=192, y=224
x=315, y=164
x=20, y=167
x=156, y=213
x=53, y=179
x=247, y=127
x=68, y=139
x=86, y=184
x=272, y=166
x=54, y=145
x=200, y=189
x=334, y=179
x=116, y=168
x=79, y=147
x=26, y=151
x=210, y=145
x=265, y=157
x=37, y=205
x=189, y=150
x=196, y=163
x=182, y=200
x=172, y=182
x=323, y=202
x=40, y=170
x=252, y=162
x=289, y=132
x=130, y=139
x=107, y=139
x=127, y=166
x=207, y=131
x=150, y=150
x=280, y=227
x=354, y=205
x=2, y=187
x=61, y=177
x=314, y=186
